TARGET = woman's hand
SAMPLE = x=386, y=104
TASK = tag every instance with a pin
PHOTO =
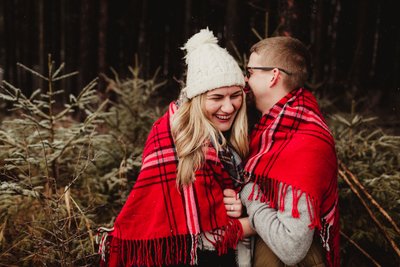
x=232, y=203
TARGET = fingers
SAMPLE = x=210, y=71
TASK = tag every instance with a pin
x=232, y=203
x=234, y=210
x=232, y=200
x=229, y=193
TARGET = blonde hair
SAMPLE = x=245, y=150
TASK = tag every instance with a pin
x=287, y=53
x=192, y=131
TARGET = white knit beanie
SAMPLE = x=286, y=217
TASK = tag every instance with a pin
x=209, y=65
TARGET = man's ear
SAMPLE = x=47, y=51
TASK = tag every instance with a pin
x=275, y=76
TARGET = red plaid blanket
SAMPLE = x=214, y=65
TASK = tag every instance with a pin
x=292, y=146
x=160, y=223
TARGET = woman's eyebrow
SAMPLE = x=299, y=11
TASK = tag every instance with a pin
x=222, y=95
x=215, y=94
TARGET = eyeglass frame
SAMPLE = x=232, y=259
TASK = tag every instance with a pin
x=248, y=73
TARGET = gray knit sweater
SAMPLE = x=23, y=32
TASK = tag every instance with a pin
x=289, y=238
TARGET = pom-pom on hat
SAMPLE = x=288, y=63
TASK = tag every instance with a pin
x=209, y=66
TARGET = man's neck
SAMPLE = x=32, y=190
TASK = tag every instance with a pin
x=272, y=99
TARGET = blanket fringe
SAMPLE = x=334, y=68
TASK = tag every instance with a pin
x=233, y=232
x=181, y=249
x=102, y=240
x=155, y=252
x=273, y=192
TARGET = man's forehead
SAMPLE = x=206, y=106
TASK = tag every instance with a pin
x=256, y=59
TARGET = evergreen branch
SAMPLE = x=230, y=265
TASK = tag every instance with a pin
x=58, y=71
x=65, y=146
x=33, y=108
x=17, y=91
x=24, y=101
x=373, y=217
x=35, y=93
x=19, y=168
x=370, y=198
x=87, y=121
x=66, y=76
x=32, y=119
x=32, y=71
x=155, y=87
x=68, y=109
x=94, y=115
x=42, y=141
x=9, y=140
x=360, y=249
x=76, y=100
x=88, y=87
x=256, y=34
x=77, y=175
x=116, y=128
x=155, y=75
x=236, y=51
x=116, y=75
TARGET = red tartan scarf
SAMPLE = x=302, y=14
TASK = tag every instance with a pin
x=292, y=146
x=159, y=223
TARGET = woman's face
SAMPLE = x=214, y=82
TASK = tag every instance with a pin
x=221, y=106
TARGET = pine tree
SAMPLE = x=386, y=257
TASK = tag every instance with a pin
x=63, y=168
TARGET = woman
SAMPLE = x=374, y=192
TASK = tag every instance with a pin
x=175, y=214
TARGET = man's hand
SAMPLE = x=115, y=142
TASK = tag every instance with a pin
x=232, y=203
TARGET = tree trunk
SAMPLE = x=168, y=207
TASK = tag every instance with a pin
x=143, y=40
x=10, y=41
x=318, y=38
x=231, y=25
x=187, y=19
x=88, y=42
x=294, y=19
x=356, y=63
x=102, y=39
x=41, y=41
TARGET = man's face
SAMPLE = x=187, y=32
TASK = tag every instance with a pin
x=258, y=80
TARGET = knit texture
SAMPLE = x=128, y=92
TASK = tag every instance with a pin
x=292, y=146
x=209, y=66
x=160, y=222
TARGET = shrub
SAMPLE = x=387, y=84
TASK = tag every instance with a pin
x=58, y=173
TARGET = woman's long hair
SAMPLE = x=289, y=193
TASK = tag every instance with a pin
x=192, y=131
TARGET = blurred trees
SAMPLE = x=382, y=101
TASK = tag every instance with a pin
x=355, y=44
x=356, y=51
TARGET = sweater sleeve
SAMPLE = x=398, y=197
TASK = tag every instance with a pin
x=289, y=238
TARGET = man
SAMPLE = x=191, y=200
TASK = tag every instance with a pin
x=293, y=196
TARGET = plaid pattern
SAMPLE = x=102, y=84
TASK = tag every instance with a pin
x=233, y=165
x=292, y=146
x=160, y=223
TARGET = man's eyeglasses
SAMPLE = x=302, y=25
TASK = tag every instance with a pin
x=248, y=73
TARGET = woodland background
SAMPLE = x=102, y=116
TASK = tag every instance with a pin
x=71, y=134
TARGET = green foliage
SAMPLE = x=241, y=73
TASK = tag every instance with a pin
x=373, y=157
x=62, y=177
x=56, y=172
x=134, y=108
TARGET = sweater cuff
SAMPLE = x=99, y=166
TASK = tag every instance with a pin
x=245, y=193
x=244, y=197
